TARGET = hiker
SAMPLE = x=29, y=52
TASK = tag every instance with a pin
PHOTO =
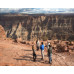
x=34, y=54
x=42, y=50
x=37, y=44
x=49, y=47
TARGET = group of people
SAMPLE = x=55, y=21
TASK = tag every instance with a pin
x=42, y=47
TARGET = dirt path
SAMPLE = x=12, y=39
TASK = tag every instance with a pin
x=17, y=54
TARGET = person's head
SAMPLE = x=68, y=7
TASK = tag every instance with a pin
x=49, y=45
x=42, y=43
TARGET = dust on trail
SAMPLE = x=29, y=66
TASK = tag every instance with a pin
x=17, y=54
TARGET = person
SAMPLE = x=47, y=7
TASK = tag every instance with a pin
x=37, y=44
x=42, y=50
x=34, y=54
x=49, y=53
x=48, y=43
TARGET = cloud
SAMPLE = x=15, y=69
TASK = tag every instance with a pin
x=36, y=10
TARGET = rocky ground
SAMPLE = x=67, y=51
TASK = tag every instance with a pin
x=18, y=54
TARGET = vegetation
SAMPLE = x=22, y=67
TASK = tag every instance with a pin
x=71, y=38
x=44, y=38
x=60, y=48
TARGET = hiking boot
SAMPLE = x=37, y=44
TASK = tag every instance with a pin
x=50, y=62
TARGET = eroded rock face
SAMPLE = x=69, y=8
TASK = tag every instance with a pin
x=2, y=32
x=32, y=27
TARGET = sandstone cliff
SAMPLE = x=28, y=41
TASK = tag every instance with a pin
x=38, y=26
x=2, y=32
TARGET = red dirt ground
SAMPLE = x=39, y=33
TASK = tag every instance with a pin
x=18, y=54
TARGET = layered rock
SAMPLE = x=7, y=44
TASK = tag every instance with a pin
x=2, y=33
x=32, y=27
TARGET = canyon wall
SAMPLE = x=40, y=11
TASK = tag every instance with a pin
x=2, y=32
x=31, y=27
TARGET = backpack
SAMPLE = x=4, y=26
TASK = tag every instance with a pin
x=50, y=50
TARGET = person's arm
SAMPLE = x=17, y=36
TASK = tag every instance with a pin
x=40, y=47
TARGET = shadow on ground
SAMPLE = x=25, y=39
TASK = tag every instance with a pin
x=30, y=58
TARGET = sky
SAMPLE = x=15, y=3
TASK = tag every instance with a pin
x=36, y=10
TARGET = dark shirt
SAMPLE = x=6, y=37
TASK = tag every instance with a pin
x=49, y=50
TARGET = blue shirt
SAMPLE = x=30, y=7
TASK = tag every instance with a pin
x=42, y=47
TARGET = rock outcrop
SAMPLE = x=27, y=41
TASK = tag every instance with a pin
x=2, y=33
x=54, y=26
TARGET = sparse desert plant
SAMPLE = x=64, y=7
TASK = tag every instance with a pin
x=23, y=42
x=55, y=42
x=71, y=38
x=60, y=48
x=72, y=49
x=44, y=38
x=15, y=40
x=67, y=43
x=28, y=43
x=70, y=43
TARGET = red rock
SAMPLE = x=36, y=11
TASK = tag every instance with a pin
x=2, y=32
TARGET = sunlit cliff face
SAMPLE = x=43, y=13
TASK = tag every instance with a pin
x=2, y=32
x=31, y=27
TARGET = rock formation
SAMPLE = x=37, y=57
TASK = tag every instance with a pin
x=30, y=27
x=2, y=32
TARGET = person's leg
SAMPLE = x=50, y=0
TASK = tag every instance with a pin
x=37, y=48
x=50, y=58
x=35, y=57
x=42, y=54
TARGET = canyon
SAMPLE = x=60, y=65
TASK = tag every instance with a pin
x=41, y=26
x=19, y=31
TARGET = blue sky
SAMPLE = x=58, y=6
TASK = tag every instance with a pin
x=36, y=10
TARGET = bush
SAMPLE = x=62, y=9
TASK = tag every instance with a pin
x=44, y=38
x=70, y=43
x=55, y=42
x=71, y=38
x=28, y=43
x=60, y=48
x=67, y=43
x=23, y=42
x=15, y=41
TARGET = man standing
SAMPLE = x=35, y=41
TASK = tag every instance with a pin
x=50, y=53
x=34, y=54
x=42, y=50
